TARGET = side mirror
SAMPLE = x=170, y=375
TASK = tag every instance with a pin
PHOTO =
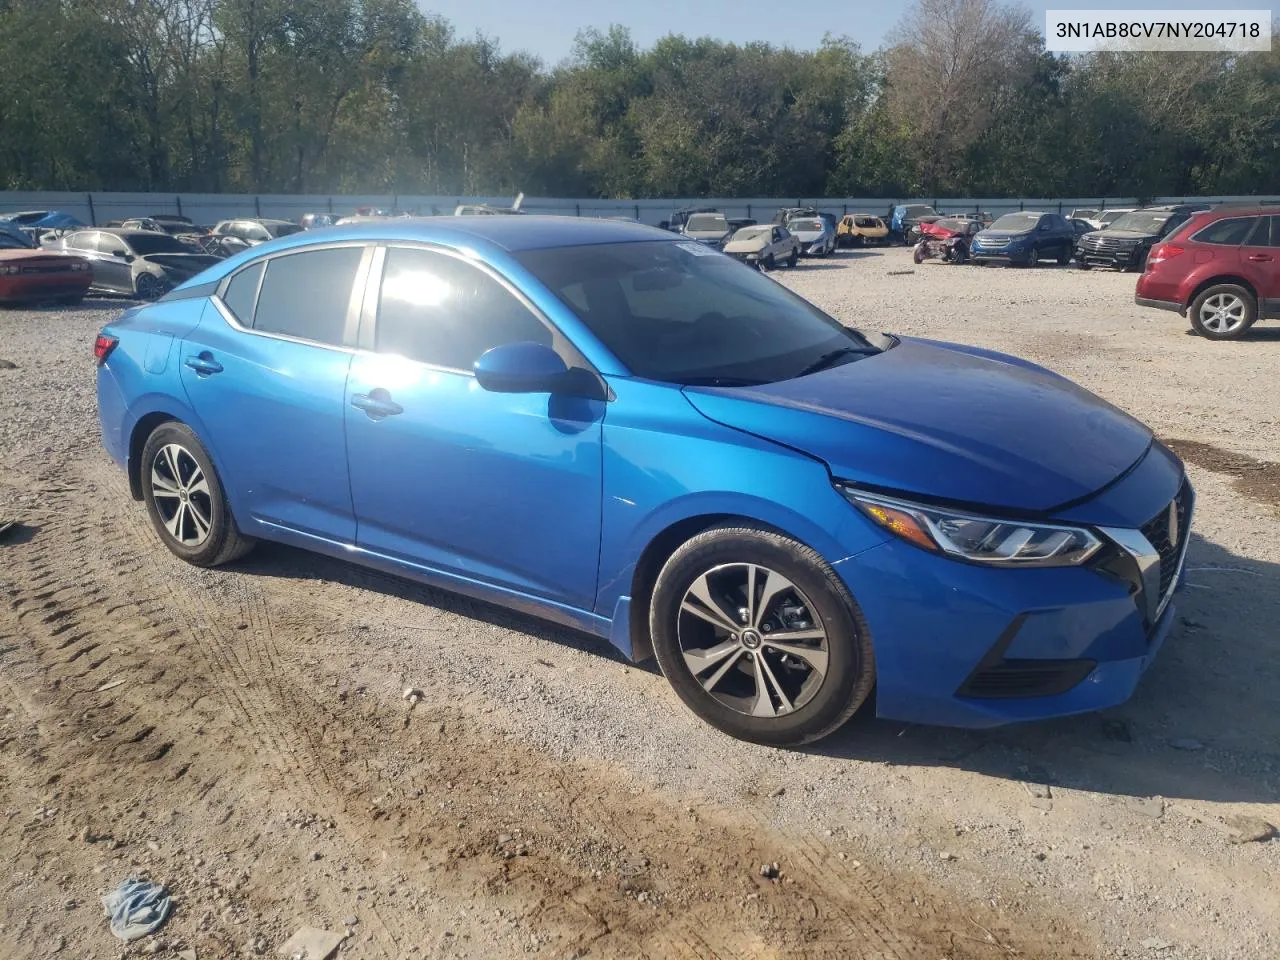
x=127, y=257
x=523, y=367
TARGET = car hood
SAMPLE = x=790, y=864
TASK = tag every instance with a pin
x=807, y=236
x=945, y=422
x=704, y=235
x=1123, y=234
x=750, y=245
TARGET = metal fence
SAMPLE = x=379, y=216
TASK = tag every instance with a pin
x=208, y=208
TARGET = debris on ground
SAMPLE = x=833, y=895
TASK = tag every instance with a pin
x=413, y=695
x=1247, y=829
x=1152, y=807
x=898, y=273
x=770, y=871
x=8, y=365
x=137, y=908
x=310, y=943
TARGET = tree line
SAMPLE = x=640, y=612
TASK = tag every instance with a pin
x=374, y=96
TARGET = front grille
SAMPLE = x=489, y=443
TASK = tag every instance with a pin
x=1026, y=678
x=1167, y=531
x=1096, y=244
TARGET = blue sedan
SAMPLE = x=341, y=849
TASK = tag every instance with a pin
x=634, y=435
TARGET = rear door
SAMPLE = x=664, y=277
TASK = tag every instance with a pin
x=1260, y=260
x=266, y=372
x=112, y=268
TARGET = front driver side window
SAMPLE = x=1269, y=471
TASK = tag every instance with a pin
x=437, y=309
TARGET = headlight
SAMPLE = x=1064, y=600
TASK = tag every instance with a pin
x=996, y=542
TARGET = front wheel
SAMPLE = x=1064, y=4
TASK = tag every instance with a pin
x=1223, y=312
x=1064, y=256
x=769, y=262
x=148, y=287
x=759, y=636
x=794, y=258
x=1033, y=257
x=185, y=499
x=918, y=254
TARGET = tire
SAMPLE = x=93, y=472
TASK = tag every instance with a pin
x=769, y=262
x=1224, y=311
x=824, y=684
x=1064, y=256
x=174, y=453
x=1080, y=264
x=71, y=301
x=147, y=287
x=794, y=258
x=917, y=255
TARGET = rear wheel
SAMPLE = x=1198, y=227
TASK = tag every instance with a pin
x=759, y=637
x=1064, y=256
x=185, y=499
x=794, y=258
x=147, y=286
x=769, y=262
x=1223, y=312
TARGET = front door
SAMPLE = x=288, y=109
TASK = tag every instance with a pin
x=500, y=488
x=266, y=372
x=1260, y=261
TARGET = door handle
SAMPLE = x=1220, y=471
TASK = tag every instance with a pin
x=1260, y=257
x=377, y=404
x=204, y=364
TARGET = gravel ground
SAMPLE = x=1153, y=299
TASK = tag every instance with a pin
x=242, y=735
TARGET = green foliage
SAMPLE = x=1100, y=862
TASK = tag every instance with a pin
x=371, y=96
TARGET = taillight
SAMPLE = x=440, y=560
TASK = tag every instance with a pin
x=102, y=348
x=1164, y=252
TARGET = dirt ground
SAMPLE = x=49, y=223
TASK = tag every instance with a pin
x=242, y=734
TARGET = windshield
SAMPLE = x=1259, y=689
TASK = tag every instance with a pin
x=707, y=223
x=680, y=313
x=282, y=229
x=1016, y=222
x=145, y=244
x=866, y=221
x=1141, y=222
x=806, y=225
x=1111, y=216
x=9, y=241
x=953, y=223
x=920, y=210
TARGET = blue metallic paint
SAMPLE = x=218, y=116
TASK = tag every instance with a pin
x=546, y=504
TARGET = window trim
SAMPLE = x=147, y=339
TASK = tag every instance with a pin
x=351, y=322
x=367, y=339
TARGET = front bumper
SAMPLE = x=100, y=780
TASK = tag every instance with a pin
x=1115, y=259
x=965, y=645
x=1000, y=254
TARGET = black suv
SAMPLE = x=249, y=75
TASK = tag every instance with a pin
x=1126, y=241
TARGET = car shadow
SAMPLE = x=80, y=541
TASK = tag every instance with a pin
x=284, y=562
x=1255, y=334
x=1202, y=724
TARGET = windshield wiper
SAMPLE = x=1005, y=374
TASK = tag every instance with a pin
x=831, y=356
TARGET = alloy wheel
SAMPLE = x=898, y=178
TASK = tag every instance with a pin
x=752, y=640
x=181, y=493
x=1223, y=313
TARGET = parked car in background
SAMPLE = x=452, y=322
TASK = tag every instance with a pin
x=735, y=224
x=675, y=223
x=620, y=431
x=1125, y=242
x=1081, y=227
x=30, y=274
x=136, y=263
x=948, y=239
x=1083, y=213
x=233, y=236
x=25, y=218
x=141, y=223
x=1025, y=238
x=710, y=228
x=816, y=235
x=858, y=229
x=784, y=214
x=312, y=221
x=764, y=245
x=906, y=217
x=1220, y=268
x=1105, y=217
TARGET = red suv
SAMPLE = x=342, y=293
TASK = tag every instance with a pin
x=1221, y=269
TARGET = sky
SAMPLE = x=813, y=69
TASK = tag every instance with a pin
x=547, y=29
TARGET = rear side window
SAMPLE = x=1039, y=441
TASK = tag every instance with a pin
x=242, y=293
x=439, y=310
x=306, y=295
x=1230, y=232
